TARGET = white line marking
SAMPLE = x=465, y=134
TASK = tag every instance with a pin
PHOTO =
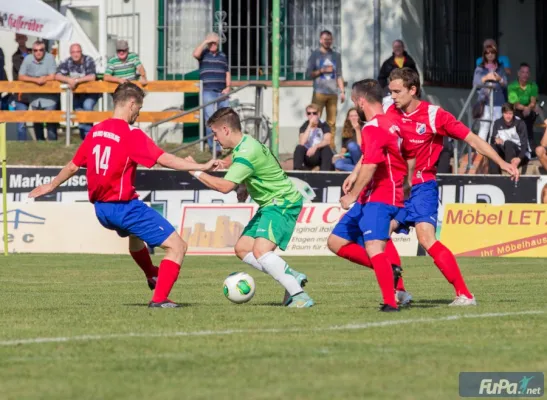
x=347, y=327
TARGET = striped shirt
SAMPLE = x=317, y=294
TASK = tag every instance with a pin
x=123, y=69
x=212, y=70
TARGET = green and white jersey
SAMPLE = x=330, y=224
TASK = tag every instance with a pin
x=255, y=166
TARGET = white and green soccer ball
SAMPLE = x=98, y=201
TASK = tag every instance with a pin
x=239, y=287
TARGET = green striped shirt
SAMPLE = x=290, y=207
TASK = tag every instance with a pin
x=254, y=165
x=123, y=69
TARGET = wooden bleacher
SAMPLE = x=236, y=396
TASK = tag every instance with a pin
x=93, y=87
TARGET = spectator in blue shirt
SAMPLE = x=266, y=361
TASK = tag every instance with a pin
x=74, y=70
x=215, y=75
x=504, y=60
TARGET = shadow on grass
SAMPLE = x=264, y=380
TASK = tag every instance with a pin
x=146, y=304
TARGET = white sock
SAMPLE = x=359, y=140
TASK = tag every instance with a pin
x=251, y=260
x=275, y=266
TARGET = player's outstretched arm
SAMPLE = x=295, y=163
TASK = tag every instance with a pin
x=213, y=182
x=485, y=149
x=66, y=173
x=187, y=164
x=366, y=172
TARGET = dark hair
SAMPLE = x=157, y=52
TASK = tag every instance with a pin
x=408, y=76
x=485, y=50
x=127, y=91
x=227, y=116
x=370, y=89
x=507, y=107
x=523, y=64
x=325, y=32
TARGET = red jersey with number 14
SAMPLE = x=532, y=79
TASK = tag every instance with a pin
x=111, y=152
x=381, y=145
x=423, y=131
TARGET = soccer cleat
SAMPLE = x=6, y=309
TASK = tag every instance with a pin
x=301, y=278
x=403, y=298
x=163, y=304
x=388, y=308
x=152, y=282
x=301, y=300
x=463, y=301
x=397, y=273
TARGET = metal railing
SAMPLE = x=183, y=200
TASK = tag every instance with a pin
x=259, y=87
x=467, y=110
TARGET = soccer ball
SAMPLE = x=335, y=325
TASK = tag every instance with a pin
x=239, y=287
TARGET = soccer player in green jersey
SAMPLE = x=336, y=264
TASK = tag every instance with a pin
x=279, y=204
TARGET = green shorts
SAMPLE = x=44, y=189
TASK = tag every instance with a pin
x=275, y=222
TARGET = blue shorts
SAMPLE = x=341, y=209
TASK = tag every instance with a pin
x=422, y=206
x=365, y=222
x=134, y=218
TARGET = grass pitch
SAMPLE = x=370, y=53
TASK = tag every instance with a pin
x=101, y=342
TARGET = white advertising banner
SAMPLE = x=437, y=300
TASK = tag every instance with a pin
x=214, y=229
x=51, y=227
x=34, y=18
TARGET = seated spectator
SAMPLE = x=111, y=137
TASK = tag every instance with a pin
x=509, y=139
x=74, y=70
x=502, y=59
x=22, y=100
x=39, y=69
x=350, y=152
x=126, y=66
x=541, y=150
x=314, y=143
x=490, y=70
x=523, y=95
x=398, y=59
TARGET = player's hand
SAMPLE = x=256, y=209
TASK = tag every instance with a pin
x=348, y=183
x=511, y=170
x=242, y=193
x=515, y=162
x=41, y=190
x=311, y=151
x=407, y=187
x=347, y=200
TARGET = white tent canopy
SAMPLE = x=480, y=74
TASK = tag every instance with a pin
x=34, y=18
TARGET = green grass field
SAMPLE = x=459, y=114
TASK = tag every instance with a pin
x=77, y=327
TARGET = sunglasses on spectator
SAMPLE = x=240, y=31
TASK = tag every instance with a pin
x=39, y=50
x=122, y=50
x=312, y=112
x=490, y=52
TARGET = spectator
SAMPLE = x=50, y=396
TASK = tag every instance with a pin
x=350, y=152
x=541, y=150
x=22, y=100
x=39, y=69
x=126, y=66
x=509, y=139
x=523, y=95
x=74, y=70
x=216, y=78
x=490, y=70
x=502, y=59
x=314, y=143
x=398, y=59
x=3, y=77
x=325, y=68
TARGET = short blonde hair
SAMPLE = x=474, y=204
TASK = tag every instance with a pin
x=313, y=106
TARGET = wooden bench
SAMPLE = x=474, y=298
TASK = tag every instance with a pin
x=93, y=87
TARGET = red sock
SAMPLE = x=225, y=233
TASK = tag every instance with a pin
x=384, y=275
x=400, y=285
x=446, y=262
x=392, y=253
x=168, y=274
x=143, y=260
x=355, y=253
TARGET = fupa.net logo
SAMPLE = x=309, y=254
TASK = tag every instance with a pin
x=501, y=384
x=505, y=387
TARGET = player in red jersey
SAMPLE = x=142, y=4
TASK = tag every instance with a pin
x=377, y=192
x=423, y=126
x=111, y=152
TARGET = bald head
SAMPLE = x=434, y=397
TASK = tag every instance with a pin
x=76, y=53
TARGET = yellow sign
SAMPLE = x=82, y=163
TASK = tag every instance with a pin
x=484, y=230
